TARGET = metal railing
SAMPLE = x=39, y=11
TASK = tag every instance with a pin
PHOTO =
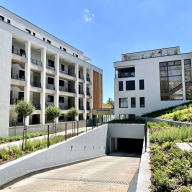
x=63, y=107
x=36, y=62
x=16, y=76
x=50, y=86
x=88, y=93
x=64, y=89
x=49, y=104
x=49, y=67
x=13, y=101
x=18, y=52
x=81, y=77
x=81, y=92
x=67, y=73
x=35, y=84
x=124, y=75
x=38, y=106
x=88, y=78
x=88, y=107
x=81, y=108
x=12, y=124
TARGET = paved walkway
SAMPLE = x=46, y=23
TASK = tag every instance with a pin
x=108, y=173
x=17, y=143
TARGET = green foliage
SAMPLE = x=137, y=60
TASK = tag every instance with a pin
x=73, y=112
x=185, y=189
x=24, y=108
x=167, y=145
x=52, y=112
x=176, y=51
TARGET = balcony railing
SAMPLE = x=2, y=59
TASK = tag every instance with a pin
x=36, y=62
x=12, y=124
x=81, y=108
x=88, y=107
x=63, y=107
x=49, y=67
x=88, y=79
x=50, y=86
x=38, y=106
x=88, y=93
x=67, y=73
x=124, y=75
x=49, y=104
x=64, y=89
x=16, y=76
x=13, y=101
x=18, y=52
x=35, y=84
x=81, y=92
x=81, y=77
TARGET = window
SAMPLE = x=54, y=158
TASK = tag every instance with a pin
x=64, y=49
x=131, y=116
x=50, y=98
x=62, y=67
x=60, y=47
x=43, y=38
x=126, y=72
x=142, y=102
x=123, y=102
x=48, y=41
x=22, y=53
x=61, y=83
x=188, y=86
x=50, y=80
x=50, y=63
x=61, y=117
x=33, y=34
x=130, y=85
x=61, y=99
x=21, y=74
x=120, y=85
x=8, y=21
x=76, y=55
x=141, y=84
x=28, y=31
x=2, y=18
x=21, y=95
x=122, y=116
x=133, y=102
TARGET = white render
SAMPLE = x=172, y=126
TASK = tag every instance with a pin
x=14, y=35
x=147, y=69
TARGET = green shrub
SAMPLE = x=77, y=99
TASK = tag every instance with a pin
x=167, y=145
x=189, y=117
x=185, y=189
x=4, y=156
x=184, y=118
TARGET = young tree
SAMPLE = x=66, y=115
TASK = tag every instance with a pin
x=24, y=109
x=52, y=112
x=73, y=112
x=15, y=117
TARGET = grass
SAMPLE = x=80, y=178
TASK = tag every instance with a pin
x=15, y=152
x=127, y=121
x=170, y=166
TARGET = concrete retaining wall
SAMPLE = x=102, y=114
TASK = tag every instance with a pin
x=133, y=131
x=85, y=146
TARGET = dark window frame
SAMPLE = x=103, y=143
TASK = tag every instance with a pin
x=50, y=80
x=140, y=102
x=140, y=84
x=131, y=102
x=9, y=21
x=64, y=49
x=43, y=38
x=120, y=86
x=62, y=99
x=48, y=41
x=120, y=102
x=33, y=34
x=50, y=98
x=127, y=82
x=28, y=31
x=2, y=18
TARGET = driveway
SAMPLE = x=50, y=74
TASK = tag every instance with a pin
x=107, y=173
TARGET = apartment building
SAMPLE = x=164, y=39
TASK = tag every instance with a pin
x=39, y=67
x=151, y=80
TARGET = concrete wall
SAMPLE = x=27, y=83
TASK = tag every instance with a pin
x=85, y=146
x=5, y=80
x=132, y=131
x=147, y=69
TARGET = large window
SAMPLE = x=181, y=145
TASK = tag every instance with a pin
x=188, y=82
x=123, y=102
x=171, y=80
x=50, y=98
x=50, y=80
x=130, y=85
x=126, y=72
x=133, y=102
x=142, y=102
x=120, y=85
x=50, y=63
x=141, y=84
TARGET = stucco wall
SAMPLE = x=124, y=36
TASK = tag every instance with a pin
x=5, y=80
x=85, y=146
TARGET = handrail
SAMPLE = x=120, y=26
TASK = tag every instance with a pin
x=49, y=67
x=67, y=72
x=18, y=52
x=50, y=86
x=16, y=76
x=81, y=92
x=36, y=62
x=35, y=84
x=81, y=108
x=81, y=77
x=64, y=89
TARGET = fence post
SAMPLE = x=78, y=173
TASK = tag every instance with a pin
x=77, y=128
x=65, y=131
x=48, y=137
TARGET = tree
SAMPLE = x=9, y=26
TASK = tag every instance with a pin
x=15, y=117
x=73, y=112
x=110, y=102
x=52, y=112
x=24, y=109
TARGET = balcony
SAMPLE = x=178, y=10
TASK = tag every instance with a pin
x=50, y=67
x=36, y=84
x=88, y=107
x=88, y=78
x=38, y=106
x=64, y=89
x=50, y=86
x=81, y=77
x=88, y=93
x=36, y=62
x=67, y=73
x=18, y=77
x=18, y=52
x=49, y=104
x=81, y=108
x=81, y=92
x=13, y=101
x=125, y=73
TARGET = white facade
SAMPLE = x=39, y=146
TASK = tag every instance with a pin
x=38, y=67
x=148, y=69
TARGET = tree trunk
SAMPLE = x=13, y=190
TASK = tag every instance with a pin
x=23, y=134
x=15, y=129
x=55, y=129
x=26, y=138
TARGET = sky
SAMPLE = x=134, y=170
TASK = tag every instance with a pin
x=105, y=29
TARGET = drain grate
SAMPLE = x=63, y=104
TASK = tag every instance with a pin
x=87, y=180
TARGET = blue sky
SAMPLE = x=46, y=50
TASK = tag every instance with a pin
x=104, y=29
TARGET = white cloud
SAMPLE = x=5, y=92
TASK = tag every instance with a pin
x=93, y=15
x=87, y=19
x=88, y=16
x=86, y=10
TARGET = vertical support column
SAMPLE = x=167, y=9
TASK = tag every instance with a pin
x=85, y=93
x=77, y=89
x=27, y=74
x=43, y=84
x=91, y=92
x=183, y=78
x=56, y=79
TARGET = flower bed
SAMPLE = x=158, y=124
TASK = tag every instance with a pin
x=170, y=166
x=15, y=152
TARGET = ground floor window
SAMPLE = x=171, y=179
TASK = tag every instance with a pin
x=127, y=116
x=123, y=102
x=142, y=102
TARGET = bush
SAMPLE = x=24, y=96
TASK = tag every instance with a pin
x=185, y=189
x=167, y=145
